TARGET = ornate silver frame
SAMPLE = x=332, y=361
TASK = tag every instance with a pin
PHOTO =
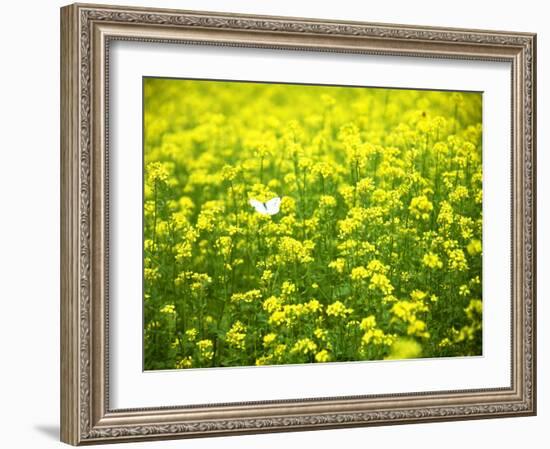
x=86, y=31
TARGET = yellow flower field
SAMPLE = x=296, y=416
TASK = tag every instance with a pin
x=373, y=253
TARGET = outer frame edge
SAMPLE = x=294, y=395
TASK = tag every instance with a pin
x=71, y=349
x=69, y=129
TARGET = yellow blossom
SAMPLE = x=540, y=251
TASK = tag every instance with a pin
x=170, y=309
x=381, y=283
x=269, y=339
x=304, y=346
x=248, y=297
x=205, y=349
x=432, y=260
x=191, y=334
x=322, y=356
x=421, y=207
x=338, y=309
x=338, y=265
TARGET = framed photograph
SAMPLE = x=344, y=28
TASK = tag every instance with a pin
x=278, y=224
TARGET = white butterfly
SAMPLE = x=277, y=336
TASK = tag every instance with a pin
x=271, y=207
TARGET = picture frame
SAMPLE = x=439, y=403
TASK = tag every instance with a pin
x=87, y=34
